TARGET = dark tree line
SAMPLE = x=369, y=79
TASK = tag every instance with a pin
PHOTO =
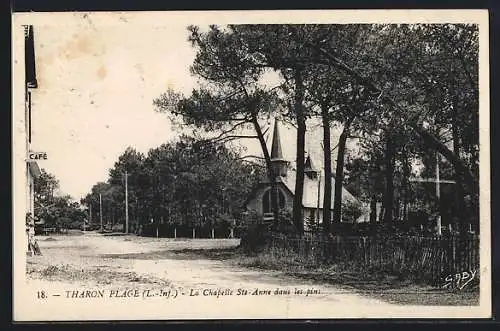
x=400, y=90
x=188, y=182
x=53, y=210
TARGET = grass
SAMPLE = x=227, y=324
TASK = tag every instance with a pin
x=218, y=254
x=50, y=239
x=376, y=284
x=102, y=275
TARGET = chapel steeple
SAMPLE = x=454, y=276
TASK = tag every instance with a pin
x=309, y=168
x=278, y=163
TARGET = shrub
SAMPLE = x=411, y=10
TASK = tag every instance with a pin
x=284, y=224
x=224, y=222
x=254, y=231
x=351, y=211
x=312, y=225
x=65, y=223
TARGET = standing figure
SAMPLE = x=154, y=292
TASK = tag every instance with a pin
x=33, y=247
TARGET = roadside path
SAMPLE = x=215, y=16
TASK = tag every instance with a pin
x=202, y=288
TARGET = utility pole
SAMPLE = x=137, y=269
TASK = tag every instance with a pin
x=90, y=216
x=438, y=182
x=438, y=195
x=126, y=202
x=100, y=210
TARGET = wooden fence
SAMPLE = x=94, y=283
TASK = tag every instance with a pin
x=186, y=231
x=429, y=259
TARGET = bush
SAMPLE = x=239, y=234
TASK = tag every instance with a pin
x=65, y=223
x=254, y=231
x=312, y=225
x=223, y=225
x=284, y=224
x=351, y=211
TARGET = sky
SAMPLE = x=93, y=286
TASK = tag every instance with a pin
x=97, y=81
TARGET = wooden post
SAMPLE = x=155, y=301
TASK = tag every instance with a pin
x=126, y=203
x=317, y=205
x=438, y=195
x=364, y=250
x=175, y=232
x=194, y=233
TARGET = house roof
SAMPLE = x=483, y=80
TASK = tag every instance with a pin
x=309, y=167
x=310, y=196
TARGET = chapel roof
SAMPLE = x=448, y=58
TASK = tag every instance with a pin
x=308, y=166
x=276, y=150
x=310, y=196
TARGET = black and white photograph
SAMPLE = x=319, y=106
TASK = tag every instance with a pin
x=251, y=165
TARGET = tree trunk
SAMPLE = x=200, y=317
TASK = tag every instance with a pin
x=270, y=171
x=381, y=214
x=389, y=180
x=405, y=184
x=136, y=213
x=327, y=155
x=396, y=210
x=405, y=207
x=339, y=174
x=373, y=209
x=301, y=132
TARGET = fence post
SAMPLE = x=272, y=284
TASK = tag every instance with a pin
x=454, y=254
x=364, y=250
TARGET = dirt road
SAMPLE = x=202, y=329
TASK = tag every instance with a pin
x=94, y=276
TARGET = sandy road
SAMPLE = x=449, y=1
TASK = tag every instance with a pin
x=144, y=278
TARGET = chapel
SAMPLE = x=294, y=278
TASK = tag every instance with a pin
x=312, y=201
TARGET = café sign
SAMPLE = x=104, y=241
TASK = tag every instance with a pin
x=36, y=156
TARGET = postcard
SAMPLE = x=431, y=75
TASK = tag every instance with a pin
x=251, y=165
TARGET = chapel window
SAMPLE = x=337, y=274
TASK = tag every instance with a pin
x=266, y=201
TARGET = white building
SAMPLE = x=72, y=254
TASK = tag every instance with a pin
x=313, y=190
x=32, y=169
